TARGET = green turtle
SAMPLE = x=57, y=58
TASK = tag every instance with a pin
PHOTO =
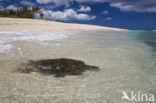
x=59, y=67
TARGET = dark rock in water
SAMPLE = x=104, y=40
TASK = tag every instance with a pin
x=59, y=67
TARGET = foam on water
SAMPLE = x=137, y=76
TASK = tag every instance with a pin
x=42, y=37
x=5, y=47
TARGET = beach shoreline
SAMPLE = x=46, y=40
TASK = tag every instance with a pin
x=21, y=24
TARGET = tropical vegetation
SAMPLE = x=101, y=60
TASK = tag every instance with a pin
x=23, y=12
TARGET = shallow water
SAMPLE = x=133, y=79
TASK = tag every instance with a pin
x=125, y=59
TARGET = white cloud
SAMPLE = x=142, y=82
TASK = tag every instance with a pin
x=27, y=3
x=108, y=18
x=84, y=9
x=124, y=5
x=43, y=1
x=105, y=12
x=56, y=2
x=90, y=1
x=135, y=5
x=68, y=14
x=60, y=2
x=12, y=7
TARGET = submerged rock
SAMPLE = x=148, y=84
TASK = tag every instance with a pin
x=59, y=67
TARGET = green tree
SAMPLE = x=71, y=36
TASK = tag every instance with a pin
x=35, y=9
x=23, y=12
x=41, y=15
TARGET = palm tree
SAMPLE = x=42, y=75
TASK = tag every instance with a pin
x=41, y=15
x=35, y=9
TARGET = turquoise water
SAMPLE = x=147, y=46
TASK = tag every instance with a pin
x=148, y=38
x=126, y=60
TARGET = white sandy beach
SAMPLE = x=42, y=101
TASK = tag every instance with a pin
x=12, y=24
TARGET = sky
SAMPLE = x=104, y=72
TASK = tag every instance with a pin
x=126, y=14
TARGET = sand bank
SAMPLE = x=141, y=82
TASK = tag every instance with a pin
x=13, y=24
